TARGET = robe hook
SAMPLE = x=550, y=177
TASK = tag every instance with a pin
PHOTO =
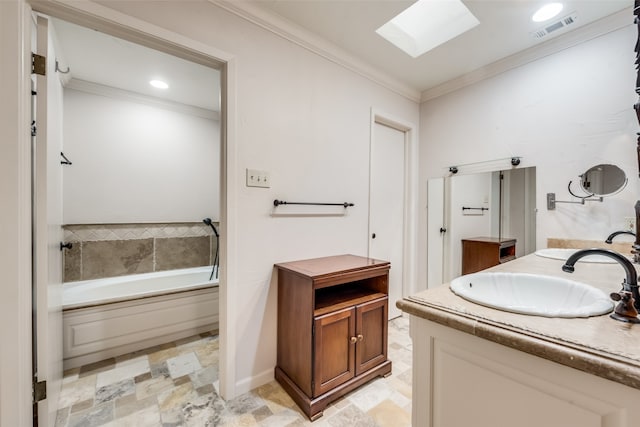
x=62, y=71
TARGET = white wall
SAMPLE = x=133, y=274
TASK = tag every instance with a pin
x=468, y=191
x=304, y=119
x=134, y=162
x=563, y=114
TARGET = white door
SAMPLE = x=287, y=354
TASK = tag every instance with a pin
x=386, y=206
x=47, y=230
x=436, y=229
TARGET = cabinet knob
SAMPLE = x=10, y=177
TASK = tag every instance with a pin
x=373, y=236
x=353, y=340
x=360, y=337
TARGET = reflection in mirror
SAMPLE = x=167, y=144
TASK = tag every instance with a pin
x=503, y=209
x=603, y=180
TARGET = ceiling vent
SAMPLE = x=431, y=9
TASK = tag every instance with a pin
x=555, y=26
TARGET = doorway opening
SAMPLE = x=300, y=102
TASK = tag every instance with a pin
x=102, y=137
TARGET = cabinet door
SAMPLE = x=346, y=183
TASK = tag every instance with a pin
x=371, y=333
x=334, y=350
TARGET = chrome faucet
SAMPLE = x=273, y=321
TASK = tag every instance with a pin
x=617, y=233
x=629, y=297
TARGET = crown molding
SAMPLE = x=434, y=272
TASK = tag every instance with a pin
x=573, y=38
x=112, y=92
x=308, y=40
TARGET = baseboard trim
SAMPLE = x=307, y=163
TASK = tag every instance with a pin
x=248, y=384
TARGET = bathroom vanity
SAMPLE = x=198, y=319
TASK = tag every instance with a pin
x=332, y=327
x=474, y=365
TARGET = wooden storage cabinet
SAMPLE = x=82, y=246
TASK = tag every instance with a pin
x=479, y=253
x=332, y=327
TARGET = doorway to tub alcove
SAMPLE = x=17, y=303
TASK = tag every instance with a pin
x=142, y=36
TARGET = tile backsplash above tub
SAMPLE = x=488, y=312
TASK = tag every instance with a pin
x=108, y=250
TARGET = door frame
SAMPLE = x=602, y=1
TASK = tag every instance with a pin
x=137, y=31
x=409, y=234
x=15, y=217
x=15, y=389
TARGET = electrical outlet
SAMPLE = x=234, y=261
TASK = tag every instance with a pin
x=630, y=223
x=257, y=178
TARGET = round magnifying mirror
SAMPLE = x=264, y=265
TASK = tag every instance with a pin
x=603, y=180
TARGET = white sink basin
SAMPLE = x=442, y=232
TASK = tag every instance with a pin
x=532, y=294
x=564, y=254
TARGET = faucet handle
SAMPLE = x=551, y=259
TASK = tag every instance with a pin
x=624, y=311
x=616, y=296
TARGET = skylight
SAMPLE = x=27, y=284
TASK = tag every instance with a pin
x=427, y=24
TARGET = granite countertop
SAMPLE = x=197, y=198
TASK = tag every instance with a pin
x=598, y=345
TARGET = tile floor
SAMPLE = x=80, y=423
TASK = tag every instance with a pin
x=176, y=385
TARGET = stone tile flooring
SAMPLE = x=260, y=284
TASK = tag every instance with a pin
x=176, y=384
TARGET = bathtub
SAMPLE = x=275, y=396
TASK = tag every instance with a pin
x=106, y=318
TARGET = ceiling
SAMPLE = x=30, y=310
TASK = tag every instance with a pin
x=99, y=58
x=505, y=28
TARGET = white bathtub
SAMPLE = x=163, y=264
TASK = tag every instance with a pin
x=109, y=317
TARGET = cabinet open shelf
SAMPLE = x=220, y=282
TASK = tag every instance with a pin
x=347, y=295
x=507, y=253
x=343, y=296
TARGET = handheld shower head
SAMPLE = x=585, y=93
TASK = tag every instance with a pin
x=210, y=224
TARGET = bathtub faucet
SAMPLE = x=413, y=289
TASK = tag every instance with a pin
x=210, y=224
x=216, y=265
x=629, y=297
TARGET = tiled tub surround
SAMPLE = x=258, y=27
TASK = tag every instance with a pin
x=176, y=384
x=109, y=250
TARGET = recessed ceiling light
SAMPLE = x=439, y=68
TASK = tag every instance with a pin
x=547, y=12
x=159, y=84
x=427, y=24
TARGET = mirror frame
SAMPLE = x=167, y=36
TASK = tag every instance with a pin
x=608, y=170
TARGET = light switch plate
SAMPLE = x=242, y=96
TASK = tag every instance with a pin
x=258, y=178
x=630, y=223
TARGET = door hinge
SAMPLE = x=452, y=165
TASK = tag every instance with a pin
x=39, y=391
x=38, y=64
x=34, y=130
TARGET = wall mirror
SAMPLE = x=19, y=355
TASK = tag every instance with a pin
x=596, y=183
x=497, y=204
x=603, y=180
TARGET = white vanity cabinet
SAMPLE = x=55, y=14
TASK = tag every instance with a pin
x=462, y=380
